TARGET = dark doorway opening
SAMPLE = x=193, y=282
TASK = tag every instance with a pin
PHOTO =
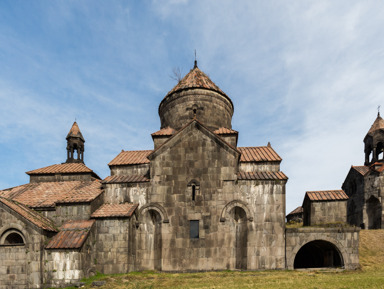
x=374, y=213
x=318, y=254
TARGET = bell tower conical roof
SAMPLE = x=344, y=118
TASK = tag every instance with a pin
x=196, y=96
x=75, y=145
x=374, y=142
x=75, y=132
x=377, y=124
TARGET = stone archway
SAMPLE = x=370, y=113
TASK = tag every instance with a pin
x=318, y=254
x=373, y=208
x=238, y=220
x=149, y=245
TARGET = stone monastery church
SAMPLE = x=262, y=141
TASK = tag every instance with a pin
x=195, y=202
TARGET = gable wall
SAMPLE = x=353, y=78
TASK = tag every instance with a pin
x=21, y=266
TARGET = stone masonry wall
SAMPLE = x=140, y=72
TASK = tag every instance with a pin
x=122, y=193
x=328, y=212
x=21, y=266
x=346, y=240
x=212, y=109
x=353, y=186
x=222, y=207
x=113, y=252
x=128, y=170
x=260, y=167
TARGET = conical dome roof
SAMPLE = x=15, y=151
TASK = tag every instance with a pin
x=196, y=96
x=75, y=132
x=377, y=125
x=195, y=78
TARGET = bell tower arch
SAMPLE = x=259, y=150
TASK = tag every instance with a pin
x=75, y=145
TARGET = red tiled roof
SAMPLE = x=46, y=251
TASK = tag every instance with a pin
x=47, y=194
x=62, y=168
x=131, y=158
x=72, y=235
x=164, y=132
x=125, y=179
x=75, y=132
x=115, y=210
x=258, y=154
x=261, y=176
x=195, y=79
x=332, y=195
x=377, y=124
x=361, y=169
x=30, y=215
x=224, y=130
x=298, y=210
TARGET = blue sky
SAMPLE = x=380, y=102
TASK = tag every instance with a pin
x=306, y=76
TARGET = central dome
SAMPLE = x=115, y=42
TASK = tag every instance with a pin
x=196, y=96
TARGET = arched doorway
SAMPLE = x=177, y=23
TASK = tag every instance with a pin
x=318, y=254
x=240, y=229
x=374, y=213
x=153, y=239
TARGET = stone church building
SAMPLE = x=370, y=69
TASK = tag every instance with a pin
x=365, y=184
x=195, y=202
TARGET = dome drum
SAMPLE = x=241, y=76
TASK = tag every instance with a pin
x=209, y=107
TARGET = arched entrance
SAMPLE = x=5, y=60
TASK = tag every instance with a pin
x=238, y=218
x=373, y=213
x=318, y=254
x=152, y=240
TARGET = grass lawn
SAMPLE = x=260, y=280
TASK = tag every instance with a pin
x=371, y=274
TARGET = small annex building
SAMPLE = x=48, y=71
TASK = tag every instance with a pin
x=196, y=201
x=324, y=207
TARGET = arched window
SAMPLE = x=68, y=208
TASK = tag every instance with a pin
x=12, y=237
x=193, y=191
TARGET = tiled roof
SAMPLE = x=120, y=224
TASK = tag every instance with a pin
x=377, y=124
x=115, y=210
x=224, y=130
x=261, y=176
x=196, y=79
x=378, y=166
x=75, y=132
x=47, y=194
x=62, y=168
x=258, y=154
x=164, y=132
x=125, y=179
x=361, y=169
x=72, y=235
x=298, y=210
x=333, y=195
x=131, y=158
x=30, y=215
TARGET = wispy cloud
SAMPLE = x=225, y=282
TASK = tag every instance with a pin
x=304, y=75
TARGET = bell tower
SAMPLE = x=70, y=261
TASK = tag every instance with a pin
x=75, y=145
x=374, y=142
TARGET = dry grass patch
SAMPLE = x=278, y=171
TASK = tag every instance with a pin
x=371, y=274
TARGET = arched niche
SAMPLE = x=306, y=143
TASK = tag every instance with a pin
x=155, y=207
x=236, y=203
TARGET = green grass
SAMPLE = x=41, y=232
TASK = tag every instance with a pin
x=371, y=274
